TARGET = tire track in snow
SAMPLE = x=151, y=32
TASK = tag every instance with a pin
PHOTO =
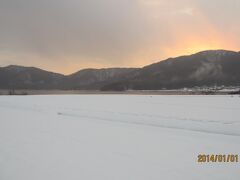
x=155, y=116
x=152, y=122
x=144, y=123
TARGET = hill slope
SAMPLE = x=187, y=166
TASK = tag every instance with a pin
x=215, y=67
x=20, y=77
x=95, y=78
x=206, y=68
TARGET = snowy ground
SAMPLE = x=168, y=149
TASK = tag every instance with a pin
x=117, y=137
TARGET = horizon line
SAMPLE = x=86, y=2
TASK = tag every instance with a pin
x=114, y=67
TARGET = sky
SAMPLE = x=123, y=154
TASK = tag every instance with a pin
x=68, y=35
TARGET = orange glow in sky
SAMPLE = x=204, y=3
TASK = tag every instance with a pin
x=73, y=35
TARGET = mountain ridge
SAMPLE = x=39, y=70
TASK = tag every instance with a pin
x=203, y=68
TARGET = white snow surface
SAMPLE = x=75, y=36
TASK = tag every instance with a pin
x=117, y=137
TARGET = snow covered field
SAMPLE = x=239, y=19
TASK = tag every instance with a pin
x=117, y=137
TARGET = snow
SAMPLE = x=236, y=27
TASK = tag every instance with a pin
x=116, y=137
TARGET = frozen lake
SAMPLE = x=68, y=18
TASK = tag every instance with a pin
x=117, y=137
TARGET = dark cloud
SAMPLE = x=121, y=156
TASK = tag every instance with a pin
x=91, y=28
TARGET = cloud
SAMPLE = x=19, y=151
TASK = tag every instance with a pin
x=65, y=35
x=186, y=11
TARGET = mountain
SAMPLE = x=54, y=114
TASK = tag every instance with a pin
x=95, y=78
x=215, y=67
x=19, y=77
x=206, y=68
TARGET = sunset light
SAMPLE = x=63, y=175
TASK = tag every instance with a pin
x=71, y=35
